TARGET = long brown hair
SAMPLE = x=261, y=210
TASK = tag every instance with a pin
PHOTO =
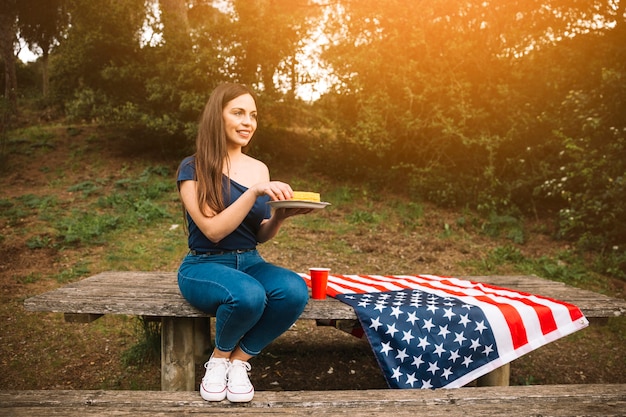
x=211, y=152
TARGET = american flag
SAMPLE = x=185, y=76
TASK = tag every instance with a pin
x=430, y=331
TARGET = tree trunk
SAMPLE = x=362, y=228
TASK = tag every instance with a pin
x=174, y=18
x=7, y=40
x=45, y=74
x=620, y=17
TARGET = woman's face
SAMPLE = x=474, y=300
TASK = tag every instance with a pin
x=240, y=120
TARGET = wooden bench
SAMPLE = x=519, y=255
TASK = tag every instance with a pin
x=538, y=400
x=184, y=333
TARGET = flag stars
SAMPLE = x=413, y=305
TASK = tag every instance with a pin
x=475, y=344
x=386, y=348
x=447, y=313
x=396, y=374
x=428, y=324
x=407, y=336
x=439, y=349
x=432, y=367
x=432, y=308
x=380, y=306
x=417, y=361
x=464, y=320
x=412, y=318
x=391, y=329
x=467, y=360
x=401, y=356
x=423, y=342
x=396, y=311
x=460, y=338
x=375, y=323
x=443, y=331
x=480, y=326
x=410, y=379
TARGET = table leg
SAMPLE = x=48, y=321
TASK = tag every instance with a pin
x=202, y=338
x=178, y=365
x=498, y=377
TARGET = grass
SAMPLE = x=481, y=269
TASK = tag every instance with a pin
x=134, y=212
x=95, y=214
x=567, y=267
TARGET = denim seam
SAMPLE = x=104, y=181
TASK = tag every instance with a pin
x=230, y=296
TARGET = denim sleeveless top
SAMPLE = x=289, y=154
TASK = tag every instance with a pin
x=244, y=236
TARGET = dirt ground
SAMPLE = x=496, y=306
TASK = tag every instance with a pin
x=42, y=351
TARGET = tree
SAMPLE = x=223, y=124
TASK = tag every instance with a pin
x=42, y=24
x=100, y=57
x=8, y=20
x=443, y=90
x=268, y=35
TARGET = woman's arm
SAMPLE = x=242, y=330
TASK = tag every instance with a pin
x=269, y=228
x=217, y=226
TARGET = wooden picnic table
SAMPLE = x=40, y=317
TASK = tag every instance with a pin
x=184, y=331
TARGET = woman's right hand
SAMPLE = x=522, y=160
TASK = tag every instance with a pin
x=276, y=190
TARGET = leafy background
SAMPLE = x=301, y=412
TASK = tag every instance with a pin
x=489, y=135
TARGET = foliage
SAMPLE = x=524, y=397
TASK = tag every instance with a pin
x=148, y=349
x=158, y=88
x=567, y=266
x=136, y=202
x=491, y=106
x=591, y=180
x=514, y=109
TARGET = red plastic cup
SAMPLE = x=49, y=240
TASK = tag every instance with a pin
x=319, y=281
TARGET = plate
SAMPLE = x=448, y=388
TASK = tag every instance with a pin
x=297, y=204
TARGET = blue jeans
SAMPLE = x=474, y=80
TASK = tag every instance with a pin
x=253, y=301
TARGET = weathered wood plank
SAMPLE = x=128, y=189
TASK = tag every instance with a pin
x=156, y=294
x=553, y=400
x=177, y=354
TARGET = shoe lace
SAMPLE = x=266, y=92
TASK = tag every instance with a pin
x=214, y=373
x=238, y=373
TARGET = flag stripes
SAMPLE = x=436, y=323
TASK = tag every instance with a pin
x=453, y=330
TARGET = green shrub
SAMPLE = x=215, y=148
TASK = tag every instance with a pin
x=86, y=227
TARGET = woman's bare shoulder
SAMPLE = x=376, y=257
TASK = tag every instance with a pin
x=257, y=165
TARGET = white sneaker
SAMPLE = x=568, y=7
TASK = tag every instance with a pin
x=213, y=385
x=240, y=389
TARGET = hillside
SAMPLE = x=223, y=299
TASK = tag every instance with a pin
x=77, y=200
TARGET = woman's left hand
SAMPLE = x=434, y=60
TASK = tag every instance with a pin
x=284, y=213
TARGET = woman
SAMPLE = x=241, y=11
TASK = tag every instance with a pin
x=225, y=193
